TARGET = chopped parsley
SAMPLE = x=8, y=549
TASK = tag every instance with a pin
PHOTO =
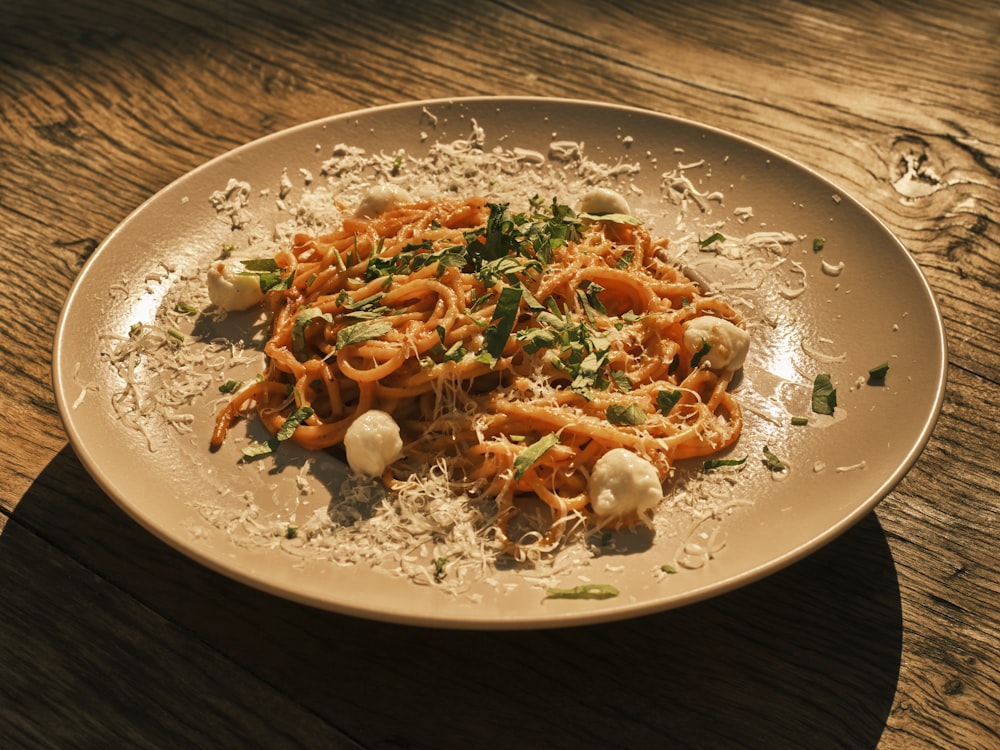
x=270, y=275
x=818, y=243
x=528, y=456
x=772, y=462
x=259, y=450
x=706, y=243
x=505, y=315
x=667, y=400
x=625, y=414
x=586, y=591
x=366, y=330
x=716, y=463
x=700, y=354
x=824, y=395
x=230, y=386
x=879, y=372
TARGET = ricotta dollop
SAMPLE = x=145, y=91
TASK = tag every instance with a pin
x=728, y=343
x=372, y=443
x=232, y=287
x=624, y=484
x=380, y=199
x=601, y=200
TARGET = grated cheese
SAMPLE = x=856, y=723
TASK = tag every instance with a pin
x=427, y=532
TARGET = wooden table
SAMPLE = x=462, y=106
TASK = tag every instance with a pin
x=888, y=637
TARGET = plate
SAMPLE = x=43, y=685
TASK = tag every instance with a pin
x=832, y=292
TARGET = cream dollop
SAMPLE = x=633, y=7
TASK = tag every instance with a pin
x=380, y=199
x=372, y=443
x=624, y=484
x=231, y=287
x=601, y=200
x=728, y=343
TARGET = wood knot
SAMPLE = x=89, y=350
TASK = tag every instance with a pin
x=914, y=171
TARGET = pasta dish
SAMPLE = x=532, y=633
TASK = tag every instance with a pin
x=551, y=354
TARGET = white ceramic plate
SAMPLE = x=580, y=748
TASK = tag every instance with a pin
x=876, y=308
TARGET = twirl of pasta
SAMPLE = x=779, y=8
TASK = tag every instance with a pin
x=521, y=347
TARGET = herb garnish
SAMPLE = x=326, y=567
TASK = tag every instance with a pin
x=269, y=274
x=667, y=400
x=772, y=462
x=698, y=355
x=622, y=414
x=824, y=395
x=878, y=372
x=524, y=459
x=716, y=463
x=711, y=239
x=586, y=591
x=259, y=450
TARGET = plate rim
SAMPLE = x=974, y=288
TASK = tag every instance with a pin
x=620, y=611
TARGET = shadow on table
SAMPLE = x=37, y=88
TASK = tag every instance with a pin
x=808, y=657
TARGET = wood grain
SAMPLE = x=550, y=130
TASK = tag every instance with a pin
x=886, y=638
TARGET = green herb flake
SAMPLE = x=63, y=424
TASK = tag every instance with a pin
x=528, y=456
x=818, y=243
x=772, y=462
x=174, y=333
x=291, y=531
x=716, y=463
x=622, y=414
x=230, y=386
x=586, y=591
x=824, y=395
x=700, y=354
x=269, y=274
x=878, y=372
x=710, y=240
x=292, y=422
x=504, y=317
x=800, y=421
x=669, y=569
x=363, y=331
x=302, y=320
x=439, y=568
x=667, y=400
x=185, y=309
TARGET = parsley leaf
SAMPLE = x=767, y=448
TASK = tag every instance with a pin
x=772, y=462
x=504, y=317
x=711, y=239
x=366, y=330
x=527, y=457
x=878, y=372
x=621, y=414
x=698, y=355
x=586, y=591
x=716, y=463
x=667, y=400
x=824, y=395
x=259, y=450
x=306, y=316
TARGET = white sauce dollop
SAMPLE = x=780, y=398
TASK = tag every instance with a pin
x=729, y=343
x=624, y=484
x=372, y=443
x=231, y=288
x=380, y=199
x=603, y=201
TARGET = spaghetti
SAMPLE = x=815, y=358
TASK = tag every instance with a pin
x=520, y=347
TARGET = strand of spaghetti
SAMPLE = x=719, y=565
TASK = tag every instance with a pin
x=259, y=392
